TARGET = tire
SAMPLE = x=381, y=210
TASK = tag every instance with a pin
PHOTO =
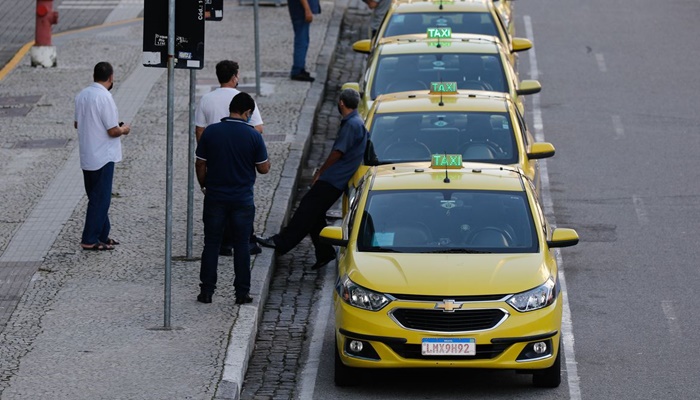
x=344, y=376
x=549, y=377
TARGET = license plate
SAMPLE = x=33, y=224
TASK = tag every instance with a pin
x=448, y=347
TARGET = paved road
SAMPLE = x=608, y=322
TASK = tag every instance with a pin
x=619, y=103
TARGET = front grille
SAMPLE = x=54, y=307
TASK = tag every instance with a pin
x=440, y=321
x=483, y=352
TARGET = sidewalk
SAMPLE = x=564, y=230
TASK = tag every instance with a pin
x=82, y=325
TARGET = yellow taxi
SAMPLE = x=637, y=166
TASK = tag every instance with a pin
x=450, y=266
x=481, y=126
x=474, y=62
x=409, y=18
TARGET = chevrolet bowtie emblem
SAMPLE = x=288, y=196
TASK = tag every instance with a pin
x=448, y=306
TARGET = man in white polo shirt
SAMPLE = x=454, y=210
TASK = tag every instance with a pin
x=99, y=132
x=212, y=108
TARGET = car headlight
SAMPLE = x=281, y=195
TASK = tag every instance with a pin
x=536, y=298
x=360, y=297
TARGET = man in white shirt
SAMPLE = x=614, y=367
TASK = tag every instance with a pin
x=99, y=133
x=212, y=108
x=214, y=105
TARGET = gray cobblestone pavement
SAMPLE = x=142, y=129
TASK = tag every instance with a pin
x=79, y=325
x=278, y=356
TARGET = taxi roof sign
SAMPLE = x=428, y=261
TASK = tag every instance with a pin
x=446, y=161
x=439, y=33
x=443, y=87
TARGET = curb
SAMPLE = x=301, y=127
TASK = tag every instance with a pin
x=244, y=331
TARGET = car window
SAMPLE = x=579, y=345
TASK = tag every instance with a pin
x=460, y=22
x=416, y=136
x=404, y=72
x=449, y=221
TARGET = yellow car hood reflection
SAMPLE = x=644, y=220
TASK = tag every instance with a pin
x=448, y=274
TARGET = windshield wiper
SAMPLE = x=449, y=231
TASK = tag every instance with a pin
x=459, y=251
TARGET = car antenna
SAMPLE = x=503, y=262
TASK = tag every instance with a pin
x=447, y=178
x=441, y=103
x=440, y=7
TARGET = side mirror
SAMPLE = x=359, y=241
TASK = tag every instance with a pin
x=362, y=46
x=540, y=150
x=351, y=85
x=563, y=237
x=521, y=44
x=333, y=235
x=529, y=87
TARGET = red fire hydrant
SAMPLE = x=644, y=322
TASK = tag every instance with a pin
x=43, y=53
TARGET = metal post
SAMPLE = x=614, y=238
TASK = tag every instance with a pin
x=190, y=168
x=257, y=47
x=169, y=162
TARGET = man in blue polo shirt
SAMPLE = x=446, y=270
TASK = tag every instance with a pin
x=228, y=155
x=329, y=183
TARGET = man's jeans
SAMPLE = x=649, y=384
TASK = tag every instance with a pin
x=301, y=44
x=241, y=218
x=98, y=187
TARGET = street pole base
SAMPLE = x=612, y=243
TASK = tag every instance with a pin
x=43, y=56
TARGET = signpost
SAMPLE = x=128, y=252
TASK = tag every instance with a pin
x=172, y=40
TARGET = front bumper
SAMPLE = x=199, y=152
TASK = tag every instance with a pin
x=386, y=343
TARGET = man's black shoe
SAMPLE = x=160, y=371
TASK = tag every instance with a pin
x=255, y=249
x=245, y=299
x=322, y=263
x=266, y=242
x=204, y=298
x=304, y=77
x=225, y=251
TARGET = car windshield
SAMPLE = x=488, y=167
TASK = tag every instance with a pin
x=404, y=72
x=416, y=136
x=460, y=22
x=447, y=221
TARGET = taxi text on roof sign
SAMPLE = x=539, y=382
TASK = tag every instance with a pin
x=443, y=87
x=439, y=33
x=447, y=161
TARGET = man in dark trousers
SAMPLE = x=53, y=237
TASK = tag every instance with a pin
x=328, y=185
x=228, y=155
x=302, y=13
x=99, y=140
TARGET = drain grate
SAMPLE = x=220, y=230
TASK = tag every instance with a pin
x=18, y=100
x=14, y=111
x=41, y=144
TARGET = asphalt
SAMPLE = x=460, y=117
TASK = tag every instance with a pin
x=89, y=325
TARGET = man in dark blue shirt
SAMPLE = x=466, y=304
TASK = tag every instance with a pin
x=329, y=184
x=302, y=14
x=228, y=155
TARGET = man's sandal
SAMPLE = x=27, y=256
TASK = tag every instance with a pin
x=98, y=247
x=111, y=242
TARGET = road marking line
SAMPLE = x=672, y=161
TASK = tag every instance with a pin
x=601, y=62
x=566, y=324
x=641, y=211
x=617, y=125
x=310, y=369
x=670, y=313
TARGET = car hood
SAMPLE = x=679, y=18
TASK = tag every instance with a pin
x=448, y=274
